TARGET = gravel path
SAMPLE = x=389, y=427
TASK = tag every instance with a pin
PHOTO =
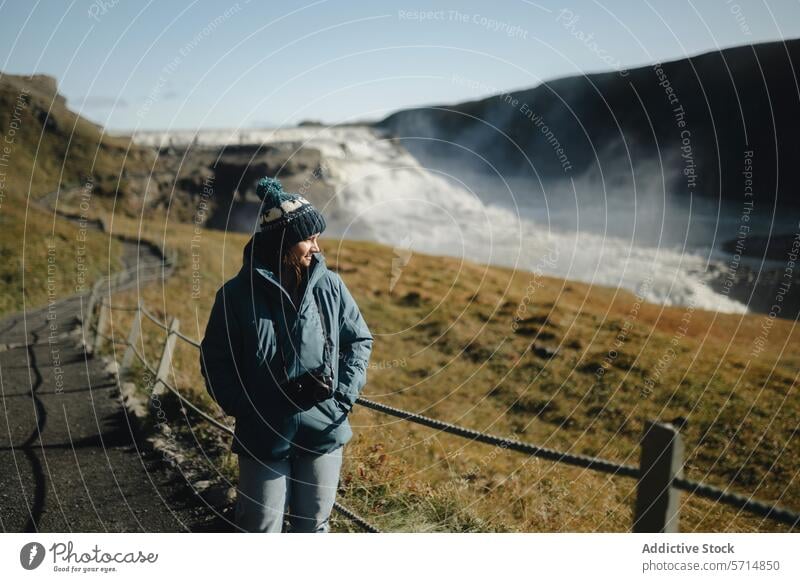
x=70, y=458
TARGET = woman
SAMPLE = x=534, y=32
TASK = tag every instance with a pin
x=285, y=352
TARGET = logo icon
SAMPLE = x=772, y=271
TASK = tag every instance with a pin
x=31, y=555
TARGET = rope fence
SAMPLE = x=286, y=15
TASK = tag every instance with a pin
x=160, y=374
x=659, y=473
x=136, y=275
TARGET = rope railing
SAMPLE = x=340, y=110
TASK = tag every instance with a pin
x=104, y=303
x=115, y=282
x=596, y=464
x=354, y=517
x=181, y=397
x=156, y=321
x=738, y=501
x=659, y=474
x=760, y=508
x=114, y=340
x=360, y=521
x=584, y=461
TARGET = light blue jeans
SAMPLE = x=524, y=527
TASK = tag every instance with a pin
x=302, y=487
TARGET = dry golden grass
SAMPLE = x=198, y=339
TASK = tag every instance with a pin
x=45, y=258
x=445, y=347
x=52, y=147
x=47, y=147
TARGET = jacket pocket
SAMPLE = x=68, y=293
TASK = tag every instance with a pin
x=333, y=410
x=266, y=340
x=341, y=405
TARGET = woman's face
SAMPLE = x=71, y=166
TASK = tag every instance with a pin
x=304, y=250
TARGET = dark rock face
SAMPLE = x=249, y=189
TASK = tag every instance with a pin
x=769, y=282
x=221, y=180
x=715, y=136
x=697, y=116
x=237, y=169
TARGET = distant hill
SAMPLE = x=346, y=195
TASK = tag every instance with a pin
x=43, y=145
x=734, y=100
x=49, y=145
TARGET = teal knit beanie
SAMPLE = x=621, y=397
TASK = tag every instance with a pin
x=286, y=218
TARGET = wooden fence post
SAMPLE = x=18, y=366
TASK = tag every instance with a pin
x=657, y=502
x=133, y=337
x=87, y=316
x=102, y=320
x=162, y=374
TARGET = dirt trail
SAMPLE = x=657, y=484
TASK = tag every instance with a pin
x=70, y=459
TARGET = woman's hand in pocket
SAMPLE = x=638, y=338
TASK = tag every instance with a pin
x=341, y=405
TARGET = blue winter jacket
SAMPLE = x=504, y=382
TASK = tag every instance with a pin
x=241, y=362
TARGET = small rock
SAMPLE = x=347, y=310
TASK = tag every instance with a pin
x=543, y=351
x=219, y=496
x=112, y=368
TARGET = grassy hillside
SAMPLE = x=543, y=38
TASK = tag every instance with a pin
x=447, y=345
x=51, y=146
x=46, y=147
x=43, y=258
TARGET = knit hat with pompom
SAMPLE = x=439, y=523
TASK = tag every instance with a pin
x=286, y=218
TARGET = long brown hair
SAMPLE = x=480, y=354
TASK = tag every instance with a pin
x=270, y=255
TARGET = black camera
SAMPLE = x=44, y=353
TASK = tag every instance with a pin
x=309, y=388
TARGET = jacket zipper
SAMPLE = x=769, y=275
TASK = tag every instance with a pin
x=297, y=314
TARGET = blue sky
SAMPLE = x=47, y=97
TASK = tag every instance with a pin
x=206, y=64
